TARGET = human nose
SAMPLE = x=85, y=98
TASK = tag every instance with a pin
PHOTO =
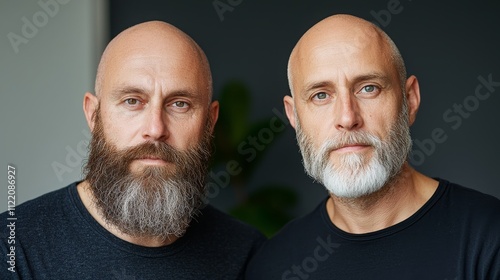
x=155, y=127
x=347, y=113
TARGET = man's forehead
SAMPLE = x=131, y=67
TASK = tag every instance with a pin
x=152, y=38
x=338, y=42
x=341, y=56
x=149, y=66
x=347, y=60
x=153, y=70
x=144, y=62
x=149, y=36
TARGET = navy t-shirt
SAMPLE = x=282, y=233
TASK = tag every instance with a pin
x=455, y=235
x=56, y=238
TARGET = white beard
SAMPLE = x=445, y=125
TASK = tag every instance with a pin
x=356, y=175
x=355, y=178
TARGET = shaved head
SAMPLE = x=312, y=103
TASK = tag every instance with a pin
x=153, y=95
x=341, y=32
x=153, y=37
x=350, y=106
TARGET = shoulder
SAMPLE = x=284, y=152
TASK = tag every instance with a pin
x=226, y=242
x=34, y=226
x=477, y=212
x=297, y=240
x=464, y=209
x=39, y=218
x=471, y=201
x=219, y=226
x=474, y=216
x=217, y=218
x=44, y=207
x=295, y=231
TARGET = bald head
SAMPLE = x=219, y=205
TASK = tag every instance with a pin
x=343, y=34
x=154, y=38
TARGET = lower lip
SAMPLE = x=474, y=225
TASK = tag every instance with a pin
x=151, y=161
x=354, y=148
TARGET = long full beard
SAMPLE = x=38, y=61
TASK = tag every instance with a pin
x=357, y=175
x=154, y=201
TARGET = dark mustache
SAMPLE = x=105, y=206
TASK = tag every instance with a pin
x=160, y=150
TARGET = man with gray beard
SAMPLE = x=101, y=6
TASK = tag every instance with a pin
x=351, y=106
x=140, y=212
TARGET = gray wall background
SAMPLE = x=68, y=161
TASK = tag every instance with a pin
x=448, y=45
x=42, y=87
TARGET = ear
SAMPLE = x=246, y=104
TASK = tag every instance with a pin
x=90, y=103
x=213, y=114
x=412, y=97
x=289, y=109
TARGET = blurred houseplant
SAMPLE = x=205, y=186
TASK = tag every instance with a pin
x=237, y=141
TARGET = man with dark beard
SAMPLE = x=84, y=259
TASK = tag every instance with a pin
x=140, y=212
x=351, y=106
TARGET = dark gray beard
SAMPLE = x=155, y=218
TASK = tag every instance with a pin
x=156, y=201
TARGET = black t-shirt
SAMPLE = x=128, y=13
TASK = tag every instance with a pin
x=455, y=235
x=56, y=238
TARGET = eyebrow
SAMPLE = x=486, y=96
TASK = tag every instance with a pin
x=370, y=76
x=128, y=89
x=316, y=85
x=140, y=90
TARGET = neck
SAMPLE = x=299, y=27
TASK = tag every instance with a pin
x=394, y=203
x=87, y=198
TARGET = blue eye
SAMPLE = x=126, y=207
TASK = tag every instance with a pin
x=369, y=89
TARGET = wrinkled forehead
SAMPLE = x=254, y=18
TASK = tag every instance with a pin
x=166, y=56
x=155, y=60
x=344, y=51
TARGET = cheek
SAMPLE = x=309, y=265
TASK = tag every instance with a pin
x=115, y=135
x=318, y=127
x=186, y=135
x=121, y=133
x=380, y=123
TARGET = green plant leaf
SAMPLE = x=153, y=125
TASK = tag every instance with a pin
x=267, y=208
